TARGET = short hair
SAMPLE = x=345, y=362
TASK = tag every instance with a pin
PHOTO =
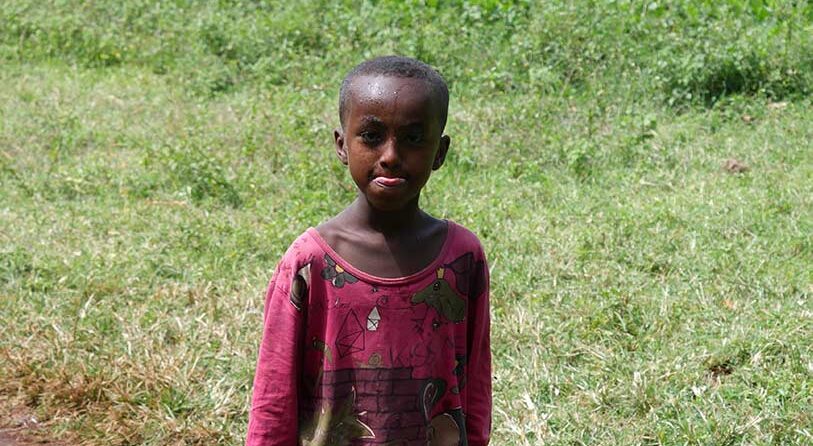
x=396, y=66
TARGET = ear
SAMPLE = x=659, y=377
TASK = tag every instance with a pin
x=443, y=148
x=341, y=151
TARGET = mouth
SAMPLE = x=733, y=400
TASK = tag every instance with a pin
x=389, y=182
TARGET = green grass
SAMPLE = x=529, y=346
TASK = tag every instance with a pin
x=155, y=162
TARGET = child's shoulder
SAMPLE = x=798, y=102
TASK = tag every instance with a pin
x=303, y=249
x=297, y=261
x=463, y=239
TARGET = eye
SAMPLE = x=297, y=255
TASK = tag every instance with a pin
x=414, y=138
x=370, y=138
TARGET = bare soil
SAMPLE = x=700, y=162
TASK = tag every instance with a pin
x=19, y=427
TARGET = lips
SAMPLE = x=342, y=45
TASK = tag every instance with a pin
x=384, y=181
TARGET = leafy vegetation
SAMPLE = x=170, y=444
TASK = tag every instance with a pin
x=156, y=158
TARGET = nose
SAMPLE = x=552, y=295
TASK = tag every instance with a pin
x=390, y=158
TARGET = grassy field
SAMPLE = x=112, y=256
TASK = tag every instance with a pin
x=156, y=159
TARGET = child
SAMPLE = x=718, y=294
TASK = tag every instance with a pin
x=376, y=328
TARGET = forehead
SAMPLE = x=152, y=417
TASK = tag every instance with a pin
x=391, y=97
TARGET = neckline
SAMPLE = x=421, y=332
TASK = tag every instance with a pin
x=362, y=275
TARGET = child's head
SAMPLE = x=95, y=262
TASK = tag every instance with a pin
x=398, y=67
x=393, y=111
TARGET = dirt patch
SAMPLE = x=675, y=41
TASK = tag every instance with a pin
x=732, y=165
x=7, y=439
x=17, y=437
x=722, y=369
x=19, y=427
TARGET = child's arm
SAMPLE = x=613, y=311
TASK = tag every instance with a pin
x=478, y=386
x=273, y=417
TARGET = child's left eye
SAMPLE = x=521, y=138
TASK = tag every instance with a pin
x=415, y=138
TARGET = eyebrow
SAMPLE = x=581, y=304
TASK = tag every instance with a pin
x=370, y=119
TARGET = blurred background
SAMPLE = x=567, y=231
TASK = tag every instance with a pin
x=640, y=173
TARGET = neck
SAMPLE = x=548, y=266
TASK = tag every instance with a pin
x=388, y=223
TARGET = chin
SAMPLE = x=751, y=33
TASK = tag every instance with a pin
x=387, y=205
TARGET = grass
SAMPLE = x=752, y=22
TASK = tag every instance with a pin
x=157, y=160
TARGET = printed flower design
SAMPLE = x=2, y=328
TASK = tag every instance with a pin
x=336, y=274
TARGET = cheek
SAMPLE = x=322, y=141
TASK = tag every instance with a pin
x=422, y=162
x=358, y=165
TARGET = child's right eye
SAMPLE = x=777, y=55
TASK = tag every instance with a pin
x=369, y=137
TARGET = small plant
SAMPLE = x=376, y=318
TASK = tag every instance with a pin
x=195, y=174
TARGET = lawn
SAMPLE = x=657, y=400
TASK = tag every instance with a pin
x=640, y=174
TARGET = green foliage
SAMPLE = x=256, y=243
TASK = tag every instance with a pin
x=768, y=57
x=157, y=158
x=194, y=173
x=687, y=50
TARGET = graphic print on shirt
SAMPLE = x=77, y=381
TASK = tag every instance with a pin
x=460, y=372
x=336, y=274
x=448, y=429
x=335, y=423
x=373, y=319
x=299, y=287
x=385, y=405
x=431, y=393
x=350, y=338
x=470, y=277
x=443, y=431
x=320, y=345
x=374, y=361
x=440, y=296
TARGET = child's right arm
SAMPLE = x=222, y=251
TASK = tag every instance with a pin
x=274, y=411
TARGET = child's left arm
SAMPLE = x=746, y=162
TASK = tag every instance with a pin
x=478, y=386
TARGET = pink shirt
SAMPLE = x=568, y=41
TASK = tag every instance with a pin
x=364, y=360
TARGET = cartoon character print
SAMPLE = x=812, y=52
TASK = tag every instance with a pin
x=336, y=274
x=440, y=296
x=469, y=280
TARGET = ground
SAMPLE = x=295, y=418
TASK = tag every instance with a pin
x=19, y=427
